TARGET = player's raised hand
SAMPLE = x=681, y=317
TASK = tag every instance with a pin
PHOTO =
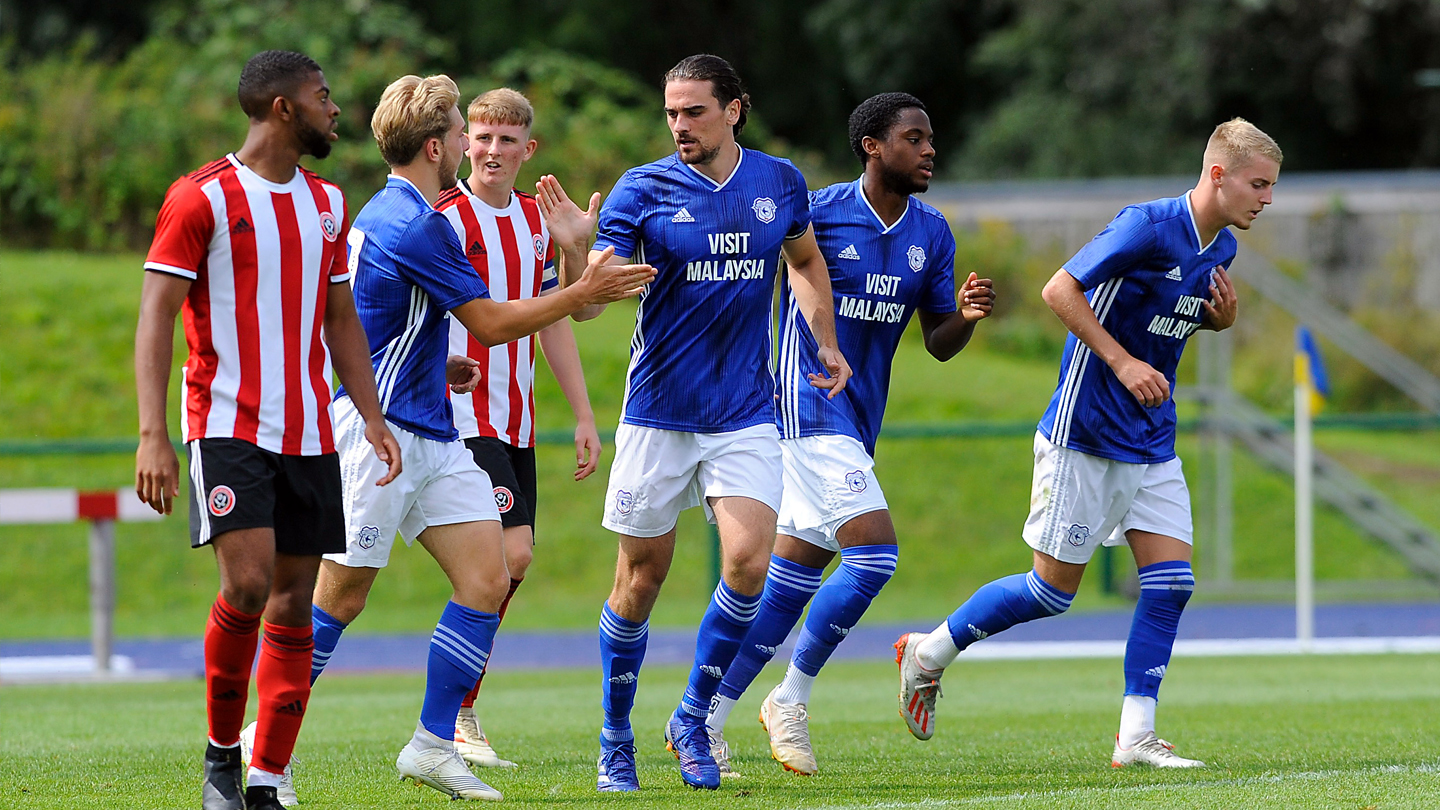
x=1224, y=305
x=386, y=448
x=1141, y=379
x=587, y=449
x=603, y=284
x=462, y=373
x=157, y=474
x=837, y=370
x=977, y=298
x=569, y=226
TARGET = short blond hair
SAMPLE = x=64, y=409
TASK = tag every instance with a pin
x=501, y=106
x=1236, y=142
x=411, y=111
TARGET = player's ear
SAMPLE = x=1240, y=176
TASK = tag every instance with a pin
x=732, y=112
x=1217, y=174
x=280, y=108
x=871, y=146
x=530, y=147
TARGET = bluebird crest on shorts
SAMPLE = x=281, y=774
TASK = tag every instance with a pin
x=368, y=536
x=624, y=501
x=916, y=255
x=855, y=480
x=765, y=209
x=1076, y=535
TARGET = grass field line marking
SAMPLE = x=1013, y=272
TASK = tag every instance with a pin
x=1207, y=647
x=1241, y=781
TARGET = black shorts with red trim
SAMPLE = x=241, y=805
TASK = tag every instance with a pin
x=235, y=485
x=512, y=471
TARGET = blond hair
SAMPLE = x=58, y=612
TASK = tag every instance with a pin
x=411, y=111
x=501, y=106
x=1236, y=142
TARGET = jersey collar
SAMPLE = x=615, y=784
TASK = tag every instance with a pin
x=711, y=181
x=1189, y=209
x=860, y=192
x=406, y=184
x=465, y=187
x=295, y=183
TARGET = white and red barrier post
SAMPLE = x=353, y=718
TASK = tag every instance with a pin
x=102, y=510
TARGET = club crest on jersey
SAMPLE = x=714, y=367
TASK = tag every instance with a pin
x=916, y=255
x=329, y=226
x=368, y=536
x=221, y=501
x=855, y=480
x=764, y=208
x=504, y=500
x=1076, y=535
x=624, y=501
x=539, y=248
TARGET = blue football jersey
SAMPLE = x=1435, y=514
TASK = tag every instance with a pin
x=409, y=271
x=1147, y=277
x=700, y=355
x=879, y=276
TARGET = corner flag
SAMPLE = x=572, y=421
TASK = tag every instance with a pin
x=1310, y=369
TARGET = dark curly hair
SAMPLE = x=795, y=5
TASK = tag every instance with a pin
x=269, y=74
x=724, y=81
x=876, y=116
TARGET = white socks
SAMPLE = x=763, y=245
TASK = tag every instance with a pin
x=720, y=708
x=795, y=688
x=423, y=739
x=258, y=778
x=1137, y=718
x=937, y=650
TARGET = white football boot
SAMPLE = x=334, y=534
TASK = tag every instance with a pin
x=472, y=744
x=919, y=687
x=720, y=750
x=1151, y=750
x=444, y=770
x=788, y=725
x=286, y=792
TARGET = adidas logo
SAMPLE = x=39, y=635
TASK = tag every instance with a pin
x=294, y=707
x=1158, y=672
x=1174, y=274
x=682, y=216
x=850, y=253
x=977, y=632
x=765, y=650
x=713, y=671
x=841, y=631
x=476, y=249
x=229, y=694
x=625, y=678
x=241, y=226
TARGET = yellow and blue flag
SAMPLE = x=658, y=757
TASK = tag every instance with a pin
x=1310, y=369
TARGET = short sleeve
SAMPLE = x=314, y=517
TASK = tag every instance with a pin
x=800, y=206
x=939, y=292
x=339, y=267
x=183, y=231
x=1127, y=241
x=431, y=258
x=619, y=226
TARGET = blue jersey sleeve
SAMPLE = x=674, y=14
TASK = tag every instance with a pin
x=1127, y=241
x=619, y=226
x=800, y=206
x=939, y=293
x=432, y=259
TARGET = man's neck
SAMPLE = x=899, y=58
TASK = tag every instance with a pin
x=888, y=205
x=723, y=165
x=422, y=175
x=497, y=196
x=1205, y=205
x=269, y=153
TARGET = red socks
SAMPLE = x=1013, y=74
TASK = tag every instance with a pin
x=469, y=701
x=283, y=680
x=229, y=653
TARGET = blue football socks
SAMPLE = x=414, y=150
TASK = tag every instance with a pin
x=722, y=629
x=841, y=601
x=622, y=651
x=1165, y=587
x=788, y=587
x=459, y=649
x=327, y=630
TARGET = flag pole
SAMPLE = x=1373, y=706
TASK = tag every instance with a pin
x=1304, y=508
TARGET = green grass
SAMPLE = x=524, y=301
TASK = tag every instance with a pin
x=1318, y=732
x=958, y=504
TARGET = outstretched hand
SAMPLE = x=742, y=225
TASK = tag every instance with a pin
x=603, y=284
x=976, y=298
x=569, y=226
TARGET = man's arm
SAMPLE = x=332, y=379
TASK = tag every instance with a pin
x=493, y=323
x=1066, y=298
x=557, y=341
x=947, y=333
x=810, y=279
x=350, y=355
x=157, y=470
x=570, y=230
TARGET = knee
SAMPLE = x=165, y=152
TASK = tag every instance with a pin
x=869, y=567
x=640, y=580
x=518, y=560
x=745, y=572
x=247, y=591
x=1168, y=582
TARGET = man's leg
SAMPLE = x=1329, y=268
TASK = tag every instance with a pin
x=1166, y=583
x=283, y=675
x=643, y=564
x=793, y=577
x=470, y=739
x=339, y=597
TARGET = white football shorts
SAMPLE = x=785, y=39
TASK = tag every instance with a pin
x=439, y=485
x=828, y=481
x=657, y=474
x=1079, y=502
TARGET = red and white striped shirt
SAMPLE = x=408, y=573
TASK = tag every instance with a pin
x=510, y=249
x=262, y=257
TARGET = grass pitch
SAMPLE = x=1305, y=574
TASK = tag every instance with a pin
x=1285, y=732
